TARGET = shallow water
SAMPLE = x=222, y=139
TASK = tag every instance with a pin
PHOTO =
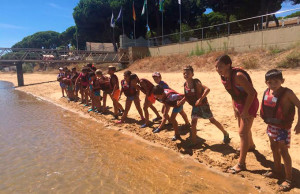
x=45, y=149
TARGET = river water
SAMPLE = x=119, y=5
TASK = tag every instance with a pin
x=46, y=149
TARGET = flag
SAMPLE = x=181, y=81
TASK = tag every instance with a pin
x=179, y=2
x=133, y=12
x=120, y=15
x=144, y=7
x=161, y=5
x=148, y=28
x=112, y=21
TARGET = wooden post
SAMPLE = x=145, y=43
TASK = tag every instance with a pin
x=20, y=74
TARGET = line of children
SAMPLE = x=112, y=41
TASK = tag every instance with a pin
x=277, y=110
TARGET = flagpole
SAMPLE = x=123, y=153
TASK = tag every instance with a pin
x=134, y=32
x=147, y=21
x=122, y=24
x=180, y=19
x=162, y=27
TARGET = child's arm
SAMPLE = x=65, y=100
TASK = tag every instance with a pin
x=205, y=89
x=241, y=80
x=293, y=98
x=181, y=102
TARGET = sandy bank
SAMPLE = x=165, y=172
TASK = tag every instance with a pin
x=211, y=152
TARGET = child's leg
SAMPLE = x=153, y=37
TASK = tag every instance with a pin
x=62, y=91
x=276, y=155
x=194, y=130
x=244, y=132
x=104, y=101
x=185, y=118
x=92, y=96
x=154, y=110
x=145, y=108
x=97, y=103
x=286, y=159
x=127, y=108
x=174, y=123
x=138, y=107
x=86, y=94
x=218, y=125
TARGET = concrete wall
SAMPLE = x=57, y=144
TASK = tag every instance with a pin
x=279, y=37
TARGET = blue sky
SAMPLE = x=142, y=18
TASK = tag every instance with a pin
x=20, y=18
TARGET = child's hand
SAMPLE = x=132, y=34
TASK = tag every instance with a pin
x=180, y=103
x=198, y=102
x=297, y=129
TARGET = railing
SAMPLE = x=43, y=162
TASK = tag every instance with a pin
x=11, y=55
x=256, y=23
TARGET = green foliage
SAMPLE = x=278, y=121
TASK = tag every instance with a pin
x=47, y=39
x=28, y=67
x=275, y=50
x=291, y=61
x=197, y=52
x=68, y=37
x=296, y=14
x=250, y=63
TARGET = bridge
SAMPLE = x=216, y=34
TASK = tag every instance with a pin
x=18, y=56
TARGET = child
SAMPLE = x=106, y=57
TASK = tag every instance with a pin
x=169, y=98
x=146, y=87
x=96, y=100
x=84, y=83
x=105, y=86
x=238, y=84
x=157, y=79
x=75, y=75
x=69, y=85
x=60, y=77
x=195, y=94
x=128, y=87
x=278, y=111
x=114, y=95
x=92, y=77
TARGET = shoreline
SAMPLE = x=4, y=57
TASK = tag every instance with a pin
x=218, y=157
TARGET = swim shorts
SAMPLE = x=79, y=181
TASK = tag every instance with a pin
x=116, y=94
x=130, y=98
x=97, y=93
x=279, y=134
x=62, y=85
x=252, y=110
x=151, y=98
x=177, y=109
x=203, y=112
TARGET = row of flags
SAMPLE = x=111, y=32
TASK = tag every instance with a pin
x=161, y=9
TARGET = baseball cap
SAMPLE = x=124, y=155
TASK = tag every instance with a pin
x=156, y=74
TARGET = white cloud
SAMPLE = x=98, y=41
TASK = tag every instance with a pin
x=10, y=26
x=54, y=6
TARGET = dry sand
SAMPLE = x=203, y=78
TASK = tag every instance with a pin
x=212, y=152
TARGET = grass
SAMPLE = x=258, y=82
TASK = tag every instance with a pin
x=291, y=61
x=250, y=63
x=197, y=52
x=275, y=50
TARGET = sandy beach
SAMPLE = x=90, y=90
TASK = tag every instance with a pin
x=211, y=152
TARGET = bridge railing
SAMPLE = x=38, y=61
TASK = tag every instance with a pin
x=8, y=55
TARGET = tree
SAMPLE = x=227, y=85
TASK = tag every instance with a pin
x=68, y=37
x=46, y=39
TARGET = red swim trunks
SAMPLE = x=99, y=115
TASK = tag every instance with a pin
x=252, y=110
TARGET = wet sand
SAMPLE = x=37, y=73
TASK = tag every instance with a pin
x=212, y=152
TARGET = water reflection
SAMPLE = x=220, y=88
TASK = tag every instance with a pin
x=44, y=148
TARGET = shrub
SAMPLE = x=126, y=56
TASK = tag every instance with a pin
x=291, y=61
x=275, y=50
x=250, y=63
x=197, y=52
x=28, y=67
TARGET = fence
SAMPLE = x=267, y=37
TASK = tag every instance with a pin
x=257, y=23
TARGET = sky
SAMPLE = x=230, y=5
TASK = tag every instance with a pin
x=21, y=18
